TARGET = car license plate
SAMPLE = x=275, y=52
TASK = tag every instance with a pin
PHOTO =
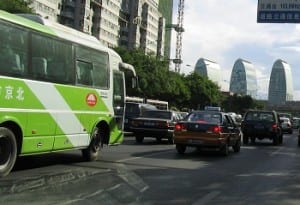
x=259, y=127
x=149, y=123
x=193, y=141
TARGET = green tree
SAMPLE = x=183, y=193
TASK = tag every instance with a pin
x=16, y=6
x=155, y=79
x=203, y=91
x=239, y=104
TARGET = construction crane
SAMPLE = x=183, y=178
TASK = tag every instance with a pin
x=179, y=29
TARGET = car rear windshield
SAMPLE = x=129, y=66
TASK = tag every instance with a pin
x=135, y=109
x=264, y=116
x=205, y=117
x=158, y=114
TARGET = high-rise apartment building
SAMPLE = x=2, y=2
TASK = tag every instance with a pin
x=76, y=14
x=105, y=21
x=47, y=8
x=243, y=79
x=130, y=23
x=165, y=7
x=281, y=83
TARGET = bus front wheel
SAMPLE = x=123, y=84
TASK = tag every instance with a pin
x=8, y=151
x=91, y=153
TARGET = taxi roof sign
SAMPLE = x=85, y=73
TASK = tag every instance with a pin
x=212, y=108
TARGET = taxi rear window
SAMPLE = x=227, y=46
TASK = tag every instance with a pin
x=205, y=117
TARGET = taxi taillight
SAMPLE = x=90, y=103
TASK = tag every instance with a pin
x=215, y=129
x=179, y=127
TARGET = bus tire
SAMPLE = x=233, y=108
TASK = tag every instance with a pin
x=8, y=151
x=91, y=153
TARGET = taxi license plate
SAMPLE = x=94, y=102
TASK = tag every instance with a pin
x=192, y=141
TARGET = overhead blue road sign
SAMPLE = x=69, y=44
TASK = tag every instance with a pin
x=278, y=11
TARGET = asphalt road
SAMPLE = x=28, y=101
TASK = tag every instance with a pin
x=152, y=173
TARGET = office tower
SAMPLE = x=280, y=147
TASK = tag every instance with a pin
x=209, y=69
x=281, y=83
x=243, y=79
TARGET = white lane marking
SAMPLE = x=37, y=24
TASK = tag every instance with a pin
x=277, y=151
x=206, y=198
x=144, y=156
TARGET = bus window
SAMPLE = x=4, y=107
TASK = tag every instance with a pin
x=99, y=61
x=58, y=56
x=84, y=73
x=13, y=49
x=39, y=67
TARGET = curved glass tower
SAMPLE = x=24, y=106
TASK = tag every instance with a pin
x=243, y=79
x=209, y=69
x=281, y=83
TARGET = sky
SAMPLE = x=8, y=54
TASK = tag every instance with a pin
x=226, y=30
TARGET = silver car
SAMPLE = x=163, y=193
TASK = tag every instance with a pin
x=286, y=125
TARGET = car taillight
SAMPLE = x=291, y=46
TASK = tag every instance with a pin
x=274, y=126
x=179, y=127
x=163, y=124
x=215, y=129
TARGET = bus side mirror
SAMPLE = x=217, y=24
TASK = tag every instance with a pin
x=134, y=82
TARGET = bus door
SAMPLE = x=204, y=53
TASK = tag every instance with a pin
x=119, y=98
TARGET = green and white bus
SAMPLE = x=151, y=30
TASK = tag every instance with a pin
x=60, y=89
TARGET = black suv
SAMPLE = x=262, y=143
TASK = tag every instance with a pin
x=261, y=124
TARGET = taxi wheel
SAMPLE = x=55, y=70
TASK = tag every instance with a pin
x=180, y=148
x=225, y=150
x=245, y=139
x=237, y=146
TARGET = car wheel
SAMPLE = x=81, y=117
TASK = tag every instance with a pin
x=158, y=139
x=280, y=139
x=180, y=148
x=225, y=150
x=8, y=151
x=276, y=140
x=252, y=140
x=245, y=139
x=237, y=146
x=171, y=139
x=139, y=138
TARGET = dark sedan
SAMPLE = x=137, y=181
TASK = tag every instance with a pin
x=158, y=124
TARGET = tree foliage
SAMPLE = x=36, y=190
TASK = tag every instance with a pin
x=16, y=6
x=240, y=104
x=156, y=81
